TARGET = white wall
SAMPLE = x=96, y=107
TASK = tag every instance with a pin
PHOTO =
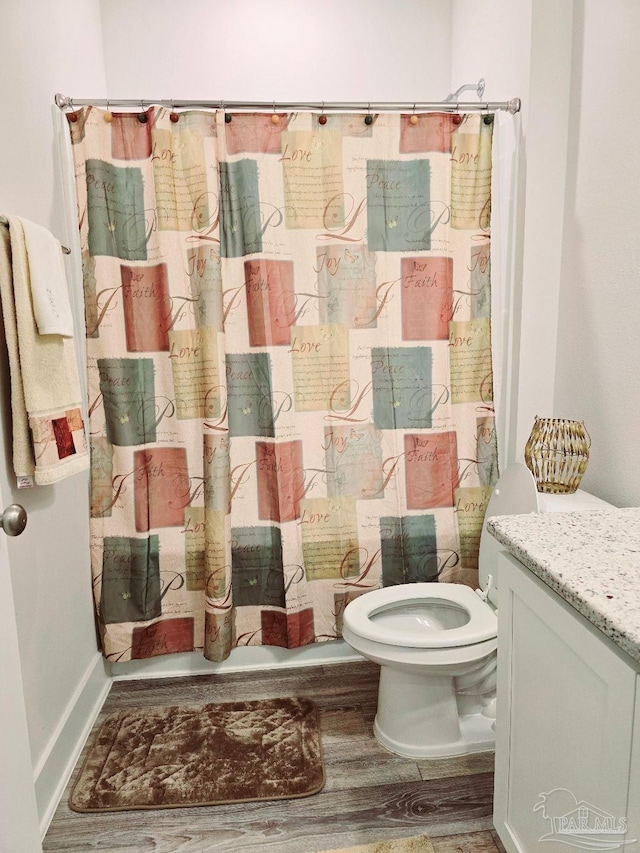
x=338, y=50
x=576, y=65
x=598, y=358
x=492, y=39
x=46, y=47
x=525, y=48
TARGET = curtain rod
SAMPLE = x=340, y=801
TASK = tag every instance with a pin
x=512, y=106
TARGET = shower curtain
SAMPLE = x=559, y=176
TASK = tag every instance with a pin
x=288, y=365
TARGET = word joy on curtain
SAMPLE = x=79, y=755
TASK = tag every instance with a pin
x=289, y=367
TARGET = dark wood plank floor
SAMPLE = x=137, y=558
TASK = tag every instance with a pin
x=370, y=795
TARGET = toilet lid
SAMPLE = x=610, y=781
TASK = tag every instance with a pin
x=399, y=616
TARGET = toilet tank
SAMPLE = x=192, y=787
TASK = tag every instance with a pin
x=515, y=493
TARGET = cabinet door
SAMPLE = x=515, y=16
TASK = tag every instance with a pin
x=633, y=803
x=564, y=722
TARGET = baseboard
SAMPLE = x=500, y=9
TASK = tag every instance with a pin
x=242, y=659
x=63, y=750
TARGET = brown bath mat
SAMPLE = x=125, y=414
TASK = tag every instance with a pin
x=199, y=755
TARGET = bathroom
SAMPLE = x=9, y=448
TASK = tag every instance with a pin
x=574, y=65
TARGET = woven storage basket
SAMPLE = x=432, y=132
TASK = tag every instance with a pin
x=557, y=453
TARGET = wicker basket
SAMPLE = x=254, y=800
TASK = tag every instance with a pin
x=557, y=453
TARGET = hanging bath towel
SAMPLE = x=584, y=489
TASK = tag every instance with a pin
x=48, y=281
x=49, y=441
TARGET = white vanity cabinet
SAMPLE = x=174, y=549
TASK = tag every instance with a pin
x=567, y=760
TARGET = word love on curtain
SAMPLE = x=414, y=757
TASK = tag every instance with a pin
x=289, y=367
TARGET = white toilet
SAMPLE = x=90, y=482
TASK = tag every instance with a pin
x=436, y=642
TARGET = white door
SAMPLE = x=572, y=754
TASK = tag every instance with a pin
x=19, y=821
x=19, y=830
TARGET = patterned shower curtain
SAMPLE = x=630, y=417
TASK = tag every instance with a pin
x=289, y=367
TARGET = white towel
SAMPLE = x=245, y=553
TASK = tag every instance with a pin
x=48, y=280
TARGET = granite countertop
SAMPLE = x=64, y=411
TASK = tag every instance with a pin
x=591, y=559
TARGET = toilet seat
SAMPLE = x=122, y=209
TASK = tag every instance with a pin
x=482, y=622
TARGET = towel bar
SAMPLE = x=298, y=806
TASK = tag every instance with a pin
x=5, y=221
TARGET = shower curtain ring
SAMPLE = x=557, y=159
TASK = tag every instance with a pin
x=368, y=119
x=275, y=118
x=173, y=115
x=322, y=119
x=142, y=116
x=414, y=117
x=108, y=116
x=73, y=115
x=487, y=118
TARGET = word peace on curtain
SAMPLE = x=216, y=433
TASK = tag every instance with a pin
x=289, y=367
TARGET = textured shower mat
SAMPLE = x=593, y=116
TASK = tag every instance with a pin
x=199, y=755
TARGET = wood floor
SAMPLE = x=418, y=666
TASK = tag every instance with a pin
x=370, y=795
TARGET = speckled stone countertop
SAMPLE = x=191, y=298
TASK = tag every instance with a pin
x=591, y=559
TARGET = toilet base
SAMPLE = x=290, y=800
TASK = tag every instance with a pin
x=477, y=734
x=418, y=717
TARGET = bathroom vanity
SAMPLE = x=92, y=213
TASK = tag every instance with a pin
x=568, y=717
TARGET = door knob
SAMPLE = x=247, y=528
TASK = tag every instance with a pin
x=13, y=520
